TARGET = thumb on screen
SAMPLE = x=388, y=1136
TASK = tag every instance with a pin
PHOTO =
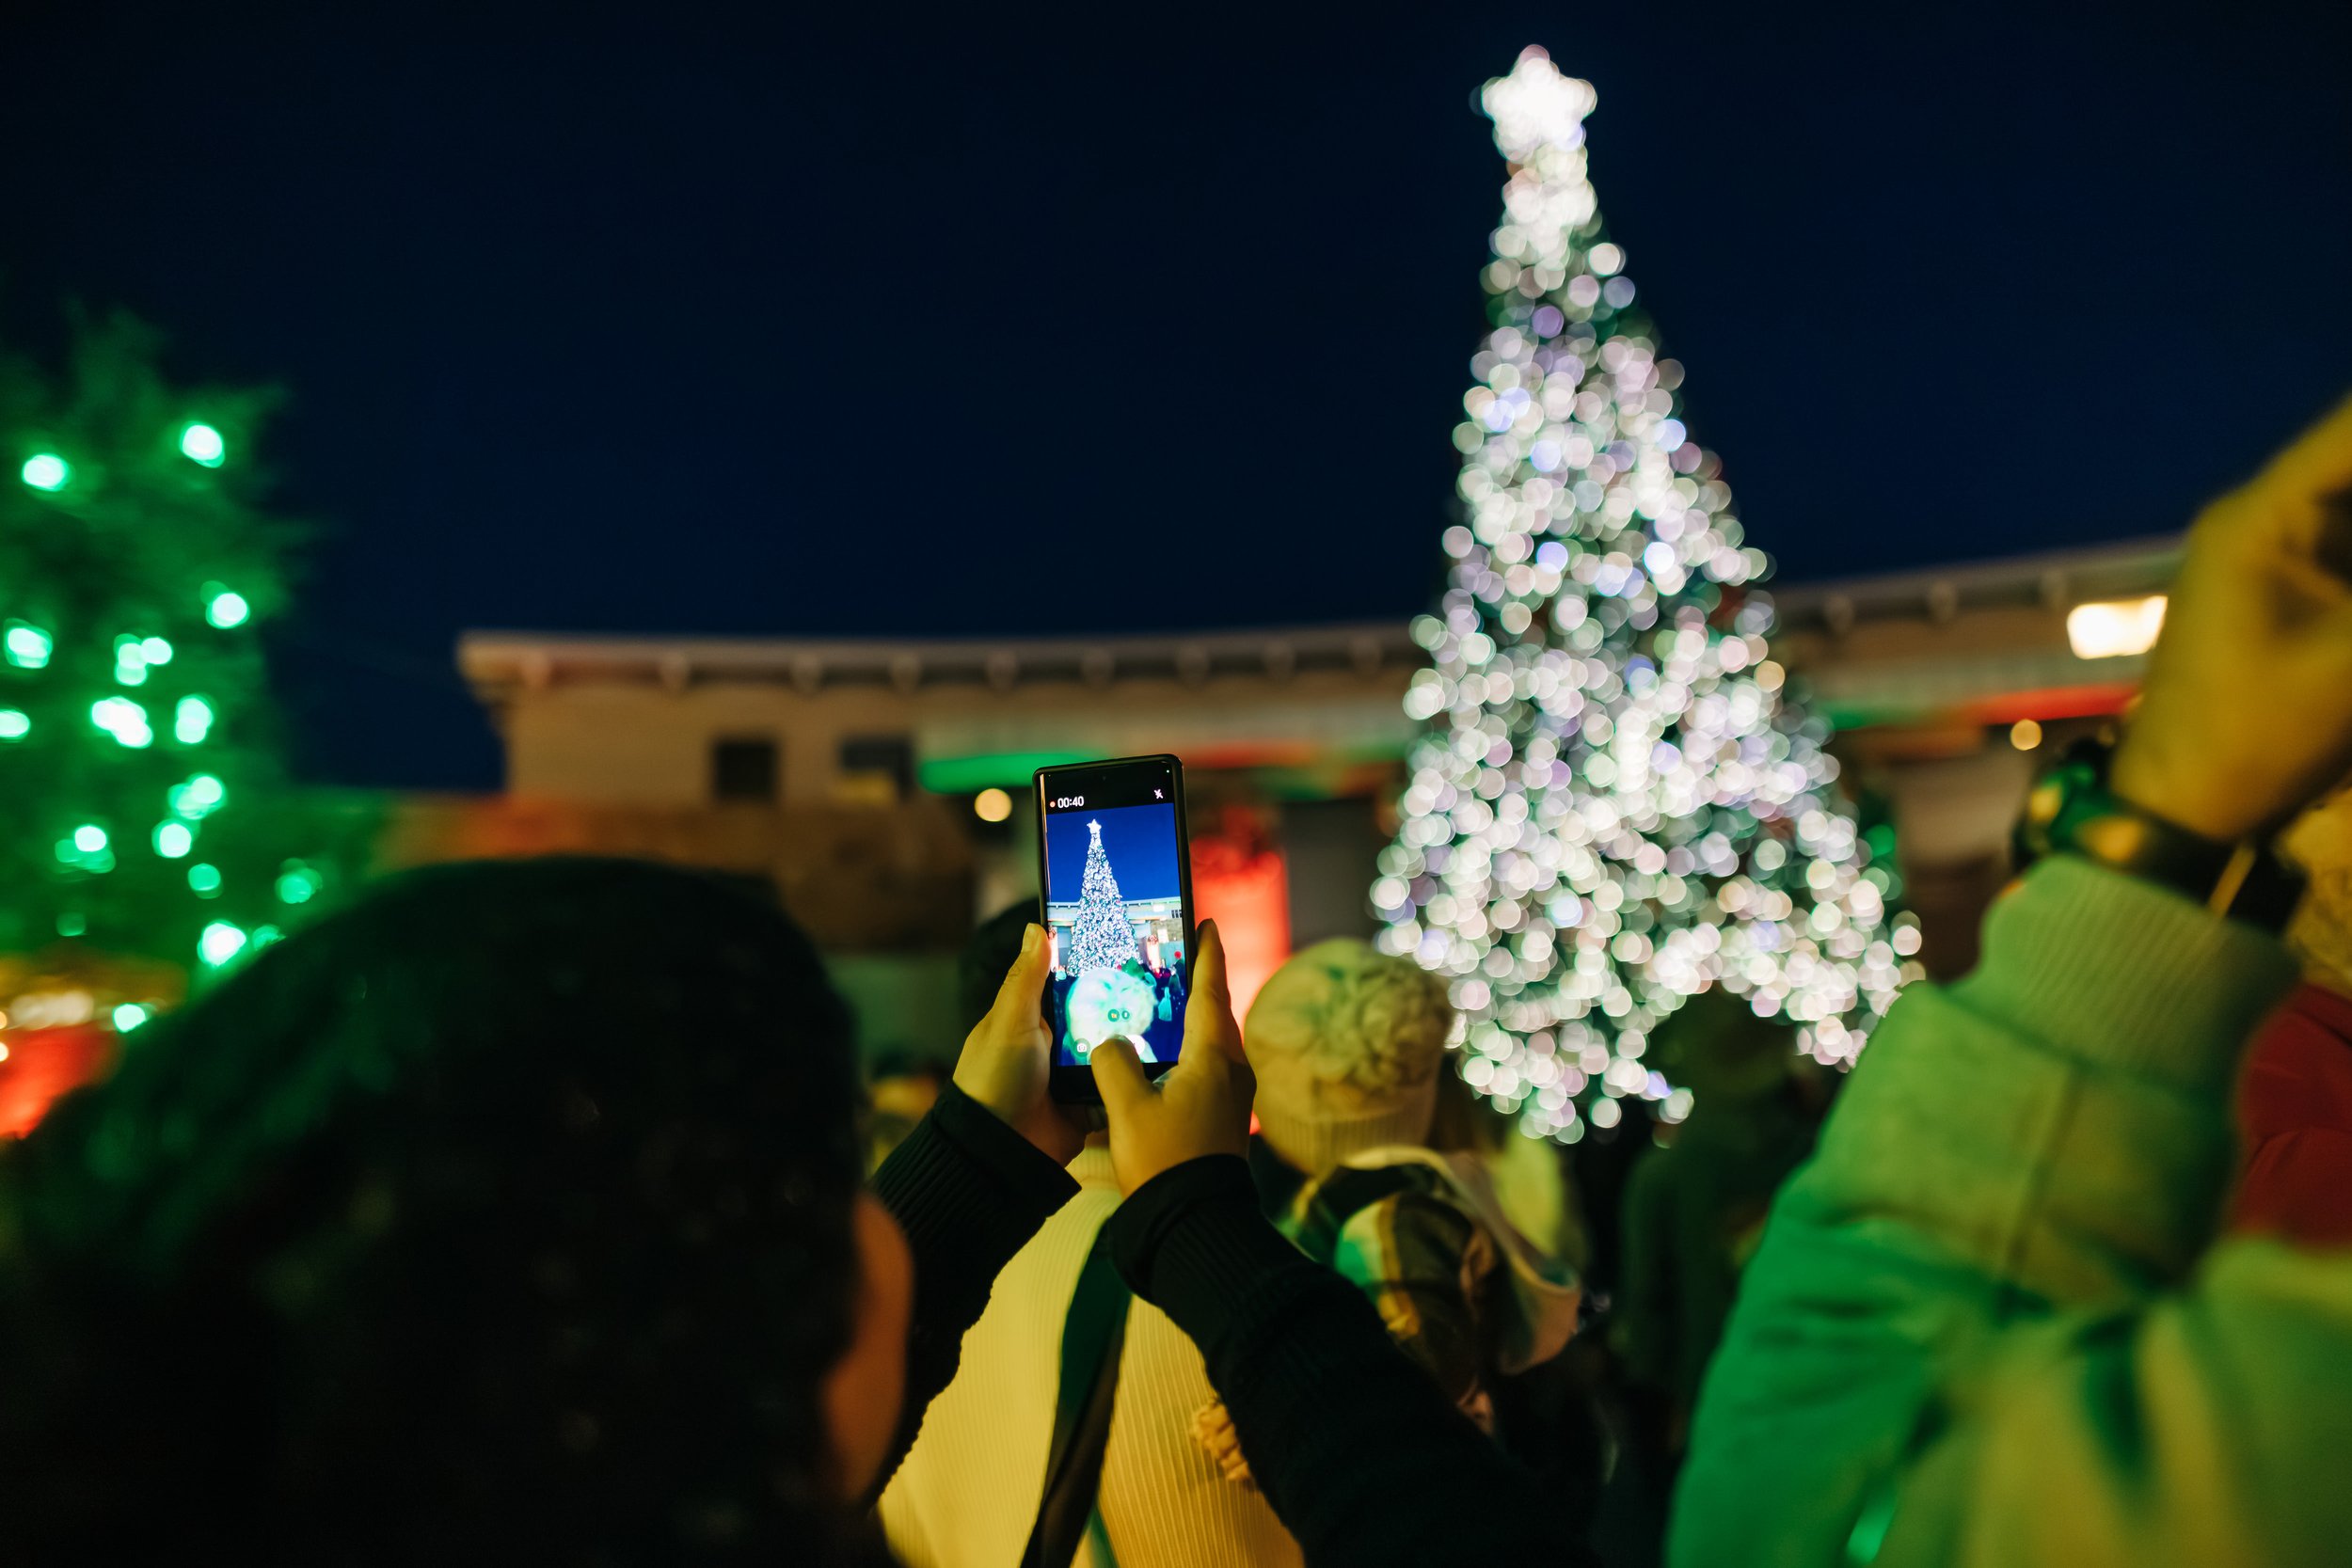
x=1118, y=1076
x=1208, y=963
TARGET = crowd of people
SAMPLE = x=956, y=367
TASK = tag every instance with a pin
x=529, y=1208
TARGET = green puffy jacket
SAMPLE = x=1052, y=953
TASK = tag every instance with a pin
x=1989, y=1325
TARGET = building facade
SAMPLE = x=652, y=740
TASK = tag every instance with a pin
x=879, y=787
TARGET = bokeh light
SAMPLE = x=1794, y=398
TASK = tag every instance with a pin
x=200, y=795
x=991, y=805
x=46, y=470
x=131, y=661
x=201, y=443
x=191, y=721
x=220, y=943
x=27, y=646
x=2115, y=629
x=225, y=609
x=2024, y=735
x=124, y=718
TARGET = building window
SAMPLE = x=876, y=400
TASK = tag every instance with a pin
x=743, y=768
x=877, y=769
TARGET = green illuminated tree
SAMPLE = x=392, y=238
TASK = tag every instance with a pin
x=135, y=726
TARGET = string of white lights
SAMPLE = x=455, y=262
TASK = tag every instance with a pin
x=1614, y=804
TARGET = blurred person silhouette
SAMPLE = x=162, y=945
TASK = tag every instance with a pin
x=2294, y=1090
x=987, y=956
x=1691, y=1216
x=1103, y=1405
x=516, y=1205
x=902, y=1085
x=2295, y=1095
x=1994, y=1319
x=1531, y=1179
x=1068, y=1386
x=900, y=1090
x=1551, y=1414
x=1348, y=1045
x=1361, y=1457
x=1695, y=1208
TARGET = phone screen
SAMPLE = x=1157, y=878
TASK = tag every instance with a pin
x=1117, y=907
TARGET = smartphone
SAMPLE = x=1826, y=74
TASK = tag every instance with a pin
x=1115, y=870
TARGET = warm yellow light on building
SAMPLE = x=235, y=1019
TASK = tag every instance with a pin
x=991, y=805
x=2113, y=628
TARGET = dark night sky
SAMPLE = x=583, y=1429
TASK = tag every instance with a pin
x=993, y=321
x=1139, y=841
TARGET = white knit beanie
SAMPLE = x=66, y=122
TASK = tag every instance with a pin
x=1346, y=1043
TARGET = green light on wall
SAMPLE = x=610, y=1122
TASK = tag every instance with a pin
x=173, y=840
x=298, y=885
x=15, y=724
x=89, y=838
x=156, y=650
x=46, y=470
x=201, y=443
x=204, y=879
x=997, y=771
x=27, y=645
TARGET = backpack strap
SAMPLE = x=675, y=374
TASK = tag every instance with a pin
x=1091, y=1338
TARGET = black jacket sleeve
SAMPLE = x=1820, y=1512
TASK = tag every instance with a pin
x=968, y=1192
x=1361, y=1457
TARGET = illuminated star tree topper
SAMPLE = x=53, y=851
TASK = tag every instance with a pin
x=1615, y=804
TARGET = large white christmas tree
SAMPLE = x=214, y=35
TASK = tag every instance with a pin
x=1614, y=806
x=1101, y=937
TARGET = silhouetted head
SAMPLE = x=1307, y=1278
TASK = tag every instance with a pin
x=516, y=1206
x=1716, y=1046
x=1346, y=1043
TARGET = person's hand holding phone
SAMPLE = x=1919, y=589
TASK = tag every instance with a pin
x=1004, y=1064
x=1202, y=1104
